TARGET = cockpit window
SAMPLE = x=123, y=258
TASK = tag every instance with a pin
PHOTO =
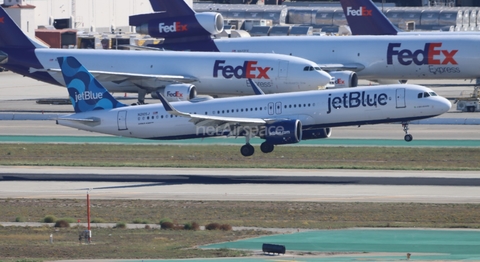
x=420, y=95
x=426, y=94
x=432, y=93
x=311, y=68
x=318, y=68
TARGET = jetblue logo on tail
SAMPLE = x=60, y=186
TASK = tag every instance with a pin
x=247, y=70
x=173, y=28
x=431, y=54
x=362, y=11
x=88, y=95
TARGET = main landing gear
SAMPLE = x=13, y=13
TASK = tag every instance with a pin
x=407, y=137
x=248, y=150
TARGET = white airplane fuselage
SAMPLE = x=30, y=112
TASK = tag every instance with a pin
x=381, y=57
x=217, y=73
x=315, y=109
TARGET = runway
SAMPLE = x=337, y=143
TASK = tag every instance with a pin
x=19, y=95
x=240, y=184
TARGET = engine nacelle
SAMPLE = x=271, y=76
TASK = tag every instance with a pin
x=283, y=132
x=178, y=92
x=316, y=133
x=211, y=22
x=343, y=79
x=202, y=24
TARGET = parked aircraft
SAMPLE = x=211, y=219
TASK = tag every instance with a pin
x=381, y=58
x=364, y=18
x=177, y=75
x=278, y=118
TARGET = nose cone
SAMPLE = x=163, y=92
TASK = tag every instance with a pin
x=443, y=105
x=323, y=78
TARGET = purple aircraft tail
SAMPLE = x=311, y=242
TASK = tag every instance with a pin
x=172, y=8
x=11, y=35
x=364, y=18
x=17, y=50
x=179, y=25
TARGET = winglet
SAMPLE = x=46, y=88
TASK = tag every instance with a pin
x=364, y=18
x=255, y=88
x=169, y=108
x=86, y=93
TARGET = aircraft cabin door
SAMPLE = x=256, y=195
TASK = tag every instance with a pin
x=278, y=108
x=122, y=120
x=283, y=69
x=400, y=97
x=271, y=108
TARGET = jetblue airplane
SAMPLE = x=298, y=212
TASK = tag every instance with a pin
x=278, y=118
x=370, y=57
x=177, y=75
x=364, y=18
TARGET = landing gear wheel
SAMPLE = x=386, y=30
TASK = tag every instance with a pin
x=267, y=147
x=408, y=137
x=247, y=150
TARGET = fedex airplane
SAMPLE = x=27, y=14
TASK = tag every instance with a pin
x=177, y=75
x=364, y=18
x=381, y=58
x=278, y=118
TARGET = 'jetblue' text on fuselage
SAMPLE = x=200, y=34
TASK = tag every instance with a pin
x=356, y=99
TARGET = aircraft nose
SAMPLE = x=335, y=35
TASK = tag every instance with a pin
x=444, y=105
x=323, y=78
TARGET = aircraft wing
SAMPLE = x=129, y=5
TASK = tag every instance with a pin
x=139, y=79
x=334, y=67
x=206, y=120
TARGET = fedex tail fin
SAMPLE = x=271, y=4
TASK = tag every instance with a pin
x=12, y=36
x=172, y=8
x=364, y=18
x=86, y=93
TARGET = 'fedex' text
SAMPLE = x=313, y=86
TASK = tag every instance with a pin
x=175, y=27
x=247, y=70
x=431, y=54
x=362, y=11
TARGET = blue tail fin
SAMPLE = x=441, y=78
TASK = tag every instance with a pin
x=86, y=93
x=12, y=36
x=172, y=8
x=364, y=18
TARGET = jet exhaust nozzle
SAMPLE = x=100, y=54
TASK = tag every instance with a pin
x=3, y=58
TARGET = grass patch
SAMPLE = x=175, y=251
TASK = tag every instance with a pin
x=414, y=158
x=112, y=243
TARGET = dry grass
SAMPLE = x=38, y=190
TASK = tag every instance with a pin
x=114, y=243
x=229, y=156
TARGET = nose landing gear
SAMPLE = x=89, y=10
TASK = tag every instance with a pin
x=407, y=137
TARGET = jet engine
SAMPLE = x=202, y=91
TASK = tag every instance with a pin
x=283, y=132
x=178, y=92
x=344, y=79
x=202, y=24
x=318, y=133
